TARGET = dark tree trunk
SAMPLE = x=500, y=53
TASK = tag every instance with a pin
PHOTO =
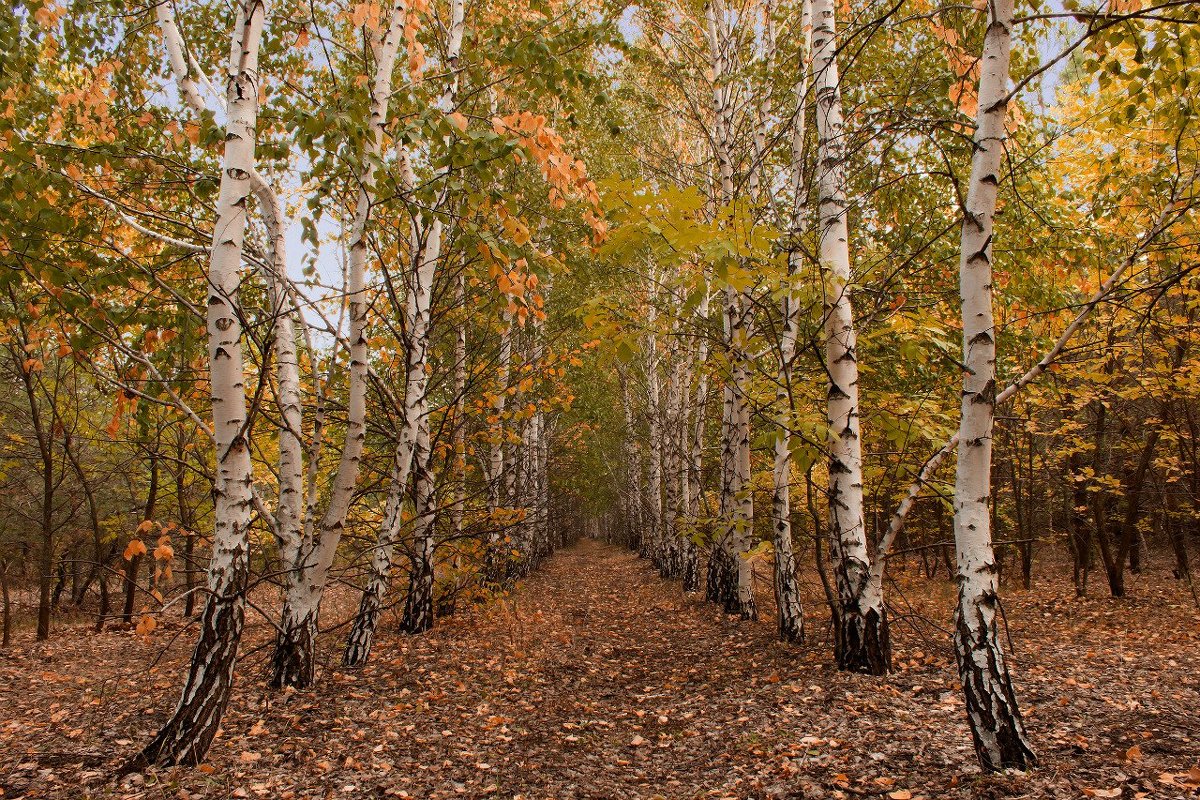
x=131, y=570
x=294, y=661
x=995, y=718
x=60, y=583
x=6, y=608
x=186, y=736
x=132, y=567
x=862, y=642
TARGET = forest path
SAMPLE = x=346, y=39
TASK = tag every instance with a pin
x=596, y=679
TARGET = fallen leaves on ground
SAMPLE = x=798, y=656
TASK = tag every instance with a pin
x=595, y=679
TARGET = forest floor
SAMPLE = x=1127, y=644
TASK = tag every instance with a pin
x=595, y=679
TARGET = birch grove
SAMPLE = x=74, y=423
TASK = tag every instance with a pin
x=342, y=326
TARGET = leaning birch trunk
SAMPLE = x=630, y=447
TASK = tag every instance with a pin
x=995, y=719
x=790, y=611
x=294, y=660
x=186, y=736
x=418, y=298
x=290, y=510
x=414, y=450
x=860, y=625
x=418, y=609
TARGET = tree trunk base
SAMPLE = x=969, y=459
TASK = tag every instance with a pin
x=294, y=662
x=362, y=632
x=996, y=726
x=862, y=642
x=186, y=736
x=418, y=606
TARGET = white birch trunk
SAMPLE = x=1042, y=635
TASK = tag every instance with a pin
x=411, y=456
x=729, y=573
x=695, y=466
x=186, y=736
x=294, y=661
x=493, y=557
x=995, y=719
x=634, y=503
x=656, y=552
x=673, y=476
x=790, y=612
x=860, y=629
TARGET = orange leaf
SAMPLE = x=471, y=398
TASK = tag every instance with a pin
x=136, y=547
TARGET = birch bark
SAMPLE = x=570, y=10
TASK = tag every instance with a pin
x=995, y=719
x=413, y=452
x=729, y=574
x=187, y=734
x=294, y=659
x=790, y=612
x=861, y=641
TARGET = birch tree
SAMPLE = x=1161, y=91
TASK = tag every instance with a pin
x=790, y=612
x=996, y=725
x=861, y=642
x=413, y=449
x=187, y=734
x=729, y=573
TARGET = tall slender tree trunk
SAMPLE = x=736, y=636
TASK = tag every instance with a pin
x=729, y=573
x=132, y=568
x=861, y=641
x=294, y=661
x=414, y=453
x=995, y=719
x=695, y=456
x=5, y=606
x=790, y=612
x=187, y=734
x=656, y=550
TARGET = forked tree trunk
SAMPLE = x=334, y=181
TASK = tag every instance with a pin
x=419, y=295
x=294, y=660
x=413, y=452
x=992, y=711
x=861, y=642
x=186, y=736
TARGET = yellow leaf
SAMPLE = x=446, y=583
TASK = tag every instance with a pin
x=146, y=625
